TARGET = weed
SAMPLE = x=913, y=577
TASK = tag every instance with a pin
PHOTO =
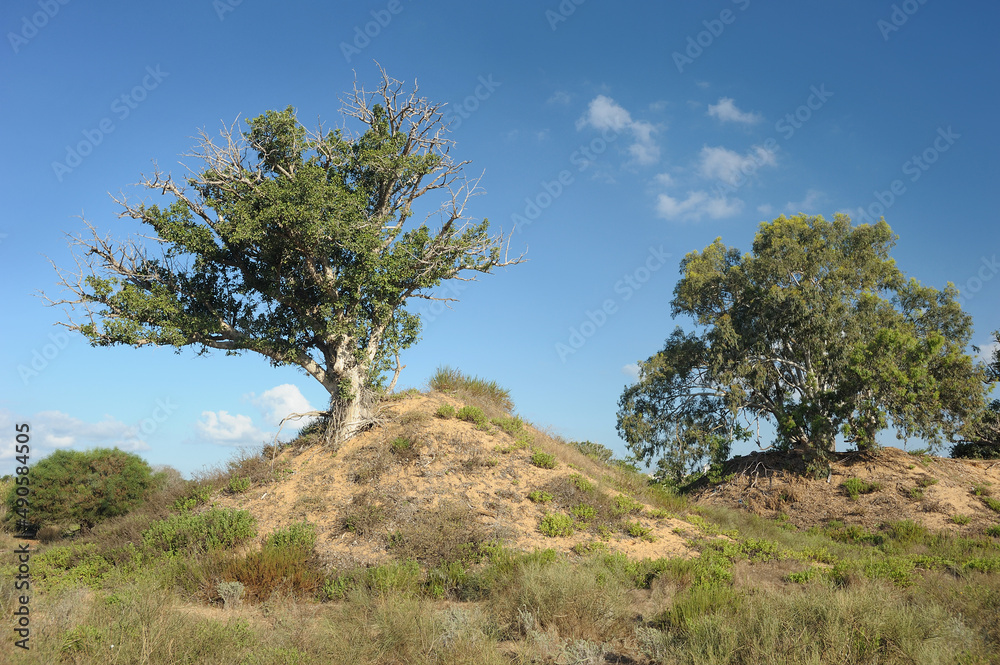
x=992, y=504
x=856, y=486
x=488, y=393
x=927, y=481
x=981, y=490
x=960, y=519
x=543, y=460
x=555, y=524
x=238, y=485
x=473, y=414
x=917, y=494
x=300, y=536
x=401, y=445
x=539, y=496
x=804, y=576
x=510, y=424
x=215, y=529
x=626, y=505
x=993, y=531
x=445, y=411
x=581, y=483
x=583, y=512
x=637, y=530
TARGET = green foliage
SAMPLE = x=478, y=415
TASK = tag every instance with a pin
x=510, y=424
x=805, y=576
x=473, y=414
x=539, y=496
x=626, y=505
x=857, y=486
x=84, y=487
x=400, y=444
x=214, y=529
x=594, y=451
x=238, y=484
x=543, y=460
x=556, y=524
x=960, y=519
x=637, y=530
x=892, y=350
x=581, y=483
x=300, y=536
x=445, y=411
x=293, y=244
x=993, y=531
x=991, y=503
x=583, y=512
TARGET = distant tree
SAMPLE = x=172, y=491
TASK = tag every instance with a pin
x=296, y=245
x=816, y=331
x=981, y=434
x=84, y=487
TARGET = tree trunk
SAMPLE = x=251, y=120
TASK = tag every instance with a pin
x=352, y=406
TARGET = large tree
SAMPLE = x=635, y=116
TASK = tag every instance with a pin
x=296, y=245
x=817, y=331
x=981, y=434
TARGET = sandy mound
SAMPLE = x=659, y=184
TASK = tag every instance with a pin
x=938, y=492
x=448, y=483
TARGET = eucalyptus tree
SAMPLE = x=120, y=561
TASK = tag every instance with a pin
x=298, y=245
x=816, y=331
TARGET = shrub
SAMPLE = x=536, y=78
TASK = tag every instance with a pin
x=581, y=483
x=446, y=533
x=637, y=530
x=626, y=505
x=488, y=393
x=300, y=536
x=509, y=424
x=543, y=460
x=583, y=512
x=231, y=592
x=960, y=519
x=539, y=496
x=991, y=503
x=993, y=531
x=445, y=411
x=363, y=516
x=401, y=445
x=214, y=529
x=555, y=524
x=272, y=569
x=84, y=487
x=473, y=414
x=238, y=485
x=595, y=451
x=856, y=486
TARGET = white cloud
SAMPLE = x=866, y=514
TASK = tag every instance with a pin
x=730, y=166
x=664, y=179
x=559, y=97
x=726, y=111
x=806, y=205
x=604, y=113
x=697, y=205
x=632, y=371
x=229, y=430
x=765, y=209
x=51, y=430
x=280, y=401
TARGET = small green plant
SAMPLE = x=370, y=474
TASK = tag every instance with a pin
x=511, y=424
x=856, y=487
x=445, y=411
x=581, y=483
x=626, y=505
x=473, y=414
x=804, y=576
x=554, y=525
x=583, y=512
x=993, y=531
x=927, y=481
x=917, y=493
x=539, y=496
x=637, y=530
x=401, y=444
x=960, y=519
x=214, y=529
x=238, y=485
x=981, y=490
x=543, y=460
x=992, y=504
x=661, y=514
x=300, y=536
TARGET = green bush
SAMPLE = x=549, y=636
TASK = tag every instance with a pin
x=511, y=425
x=595, y=451
x=993, y=531
x=960, y=519
x=555, y=524
x=473, y=414
x=214, y=529
x=991, y=503
x=637, y=530
x=856, y=487
x=543, y=460
x=238, y=485
x=300, y=536
x=583, y=512
x=581, y=483
x=83, y=487
x=445, y=411
x=539, y=496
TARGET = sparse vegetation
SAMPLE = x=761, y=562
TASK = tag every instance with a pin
x=238, y=485
x=445, y=411
x=539, y=496
x=483, y=393
x=555, y=524
x=857, y=486
x=992, y=504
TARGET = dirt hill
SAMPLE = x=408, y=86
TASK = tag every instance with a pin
x=941, y=493
x=424, y=486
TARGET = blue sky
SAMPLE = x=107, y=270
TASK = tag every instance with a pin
x=626, y=133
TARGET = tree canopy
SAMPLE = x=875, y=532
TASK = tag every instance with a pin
x=296, y=245
x=816, y=331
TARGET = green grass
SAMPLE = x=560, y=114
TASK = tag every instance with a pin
x=487, y=394
x=991, y=503
x=445, y=411
x=238, y=485
x=473, y=414
x=960, y=519
x=539, y=496
x=857, y=486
